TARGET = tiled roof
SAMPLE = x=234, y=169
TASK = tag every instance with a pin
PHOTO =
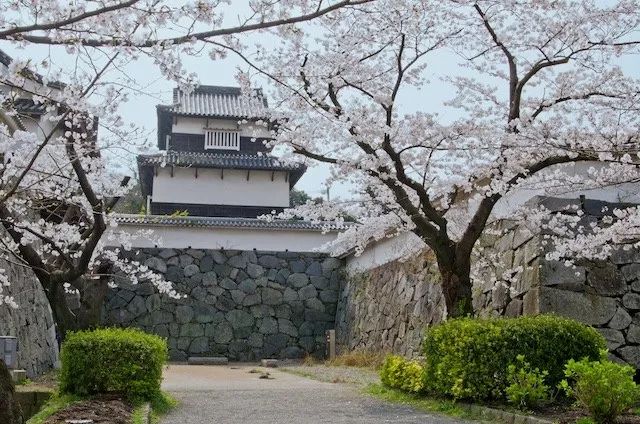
x=195, y=221
x=6, y=60
x=219, y=160
x=28, y=107
x=218, y=101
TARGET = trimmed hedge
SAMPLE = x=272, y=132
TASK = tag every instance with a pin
x=400, y=373
x=113, y=360
x=468, y=358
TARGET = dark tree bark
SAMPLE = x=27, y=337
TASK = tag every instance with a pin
x=456, y=284
x=10, y=411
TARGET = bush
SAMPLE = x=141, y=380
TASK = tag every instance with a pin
x=604, y=388
x=468, y=358
x=526, y=387
x=126, y=361
x=400, y=373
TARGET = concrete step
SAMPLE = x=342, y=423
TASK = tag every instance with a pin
x=207, y=360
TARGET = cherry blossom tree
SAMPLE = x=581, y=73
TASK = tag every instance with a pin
x=61, y=141
x=535, y=86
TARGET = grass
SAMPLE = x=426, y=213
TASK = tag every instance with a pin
x=161, y=405
x=53, y=405
x=356, y=358
x=359, y=359
x=420, y=402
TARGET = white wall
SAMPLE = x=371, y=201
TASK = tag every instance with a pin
x=189, y=125
x=210, y=188
x=228, y=238
x=384, y=251
x=626, y=193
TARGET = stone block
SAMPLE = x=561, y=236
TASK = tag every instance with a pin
x=590, y=309
x=186, y=260
x=631, y=301
x=268, y=326
x=223, y=333
x=190, y=270
x=270, y=261
x=631, y=355
x=184, y=314
x=307, y=292
x=606, y=280
x=620, y=320
x=298, y=280
x=271, y=296
x=199, y=345
x=614, y=338
x=254, y=270
x=156, y=264
x=18, y=376
x=514, y=308
x=314, y=269
x=238, y=296
x=269, y=363
x=330, y=264
x=239, y=318
x=206, y=360
x=191, y=330
x=238, y=261
x=248, y=286
x=633, y=335
x=286, y=327
x=556, y=272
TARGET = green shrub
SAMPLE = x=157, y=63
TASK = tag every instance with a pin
x=400, y=373
x=126, y=361
x=526, y=387
x=604, y=388
x=468, y=358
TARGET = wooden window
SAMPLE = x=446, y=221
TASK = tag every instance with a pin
x=221, y=139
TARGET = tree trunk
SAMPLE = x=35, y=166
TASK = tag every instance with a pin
x=92, y=297
x=64, y=318
x=87, y=316
x=10, y=411
x=456, y=286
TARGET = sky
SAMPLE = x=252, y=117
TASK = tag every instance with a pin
x=141, y=107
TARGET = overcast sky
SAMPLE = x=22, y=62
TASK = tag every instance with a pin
x=140, y=109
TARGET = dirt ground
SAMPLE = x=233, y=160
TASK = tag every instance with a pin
x=102, y=410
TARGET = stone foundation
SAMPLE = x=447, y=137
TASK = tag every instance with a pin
x=389, y=307
x=244, y=305
x=32, y=323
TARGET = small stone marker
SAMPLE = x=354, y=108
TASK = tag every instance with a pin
x=18, y=376
x=78, y=421
x=270, y=363
x=207, y=360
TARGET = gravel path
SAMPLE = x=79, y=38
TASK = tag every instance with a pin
x=232, y=394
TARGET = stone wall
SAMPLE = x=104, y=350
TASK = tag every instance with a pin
x=388, y=307
x=244, y=305
x=32, y=323
x=603, y=294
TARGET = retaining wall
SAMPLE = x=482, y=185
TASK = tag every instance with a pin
x=244, y=305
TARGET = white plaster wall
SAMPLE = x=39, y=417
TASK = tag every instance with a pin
x=384, y=251
x=190, y=125
x=628, y=192
x=210, y=188
x=228, y=238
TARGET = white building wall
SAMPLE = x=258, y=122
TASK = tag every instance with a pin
x=176, y=237
x=384, y=251
x=189, y=125
x=210, y=188
x=616, y=193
